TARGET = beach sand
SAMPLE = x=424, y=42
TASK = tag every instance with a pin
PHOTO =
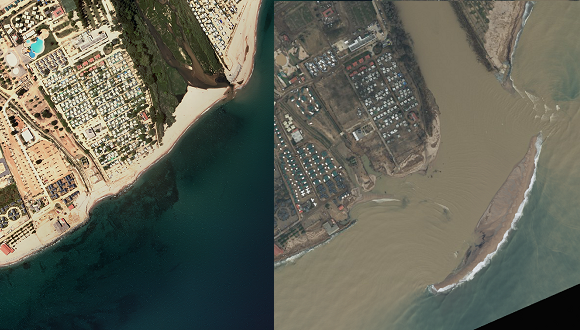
x=193, y=105
x=505, y=21
x=504, y=209
x=242, y=48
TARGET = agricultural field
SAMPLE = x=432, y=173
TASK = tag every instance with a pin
x=361, y=13
x=298, y=18
x=341, y=98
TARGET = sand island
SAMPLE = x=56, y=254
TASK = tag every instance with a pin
x=93, y=93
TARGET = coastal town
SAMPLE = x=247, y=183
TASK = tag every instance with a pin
x=349, y=101
x=79, y=119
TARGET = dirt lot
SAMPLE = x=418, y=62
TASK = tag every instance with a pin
x=313, y=41
x=372, y=146
x=338, y=94
x=408, y=143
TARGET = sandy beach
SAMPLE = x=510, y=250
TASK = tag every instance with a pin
x=505, y=23
x=242, y=48
x=193, y=105
x=491, y=231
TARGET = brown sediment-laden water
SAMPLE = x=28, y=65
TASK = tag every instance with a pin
x=376, y=274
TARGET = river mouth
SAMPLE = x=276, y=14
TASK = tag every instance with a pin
x=194, y=75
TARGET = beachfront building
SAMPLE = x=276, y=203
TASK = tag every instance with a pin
x=6, y=249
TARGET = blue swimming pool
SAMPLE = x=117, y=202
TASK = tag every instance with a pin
x=38, y=46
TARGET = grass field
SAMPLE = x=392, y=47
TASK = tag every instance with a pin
x=68, y=5
x=338, y=94
x=8, y=195
x=50, y=44
x=298, y=18
x=313, y=41
x=362, y=13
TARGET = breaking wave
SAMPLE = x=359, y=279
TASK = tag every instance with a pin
x=517, y=217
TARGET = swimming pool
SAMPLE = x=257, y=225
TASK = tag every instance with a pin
x=38, y=46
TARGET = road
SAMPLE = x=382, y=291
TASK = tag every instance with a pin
x=22, y=146
x=35, y=126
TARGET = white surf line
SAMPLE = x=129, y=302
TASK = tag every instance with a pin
x=517, y=216
x=529, y=6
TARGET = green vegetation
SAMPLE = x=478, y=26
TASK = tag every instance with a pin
x=50, y=44
x=295, y=231
x=363, y=13
x=8, y=195
x=46, y=114
x=46, y=97
x=88, y=12
x=164, y=82
x=64, y=33
x=196, y=38
x=108, y=49
x=69, y=6
x=62, y=26
x=42, y=26
x=293, y=59
x=472, y=37
x=165, y=23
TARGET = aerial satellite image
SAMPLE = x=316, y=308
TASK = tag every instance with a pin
x=120, y=121
x=424, y=161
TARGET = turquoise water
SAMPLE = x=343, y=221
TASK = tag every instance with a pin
x=179, y=249
x=38, y=46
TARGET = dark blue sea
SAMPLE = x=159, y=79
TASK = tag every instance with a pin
x=183, y=248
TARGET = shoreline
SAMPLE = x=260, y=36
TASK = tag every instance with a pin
x=507, y=21
x=500, y=217
x=298, y=254
x=528, y=8
x=207, y=99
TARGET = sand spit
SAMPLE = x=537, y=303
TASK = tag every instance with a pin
x=505, y=23
x=500, y=216
x=194, y=104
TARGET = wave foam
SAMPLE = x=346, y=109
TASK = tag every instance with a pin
x=517, y=217
x=529, y=6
